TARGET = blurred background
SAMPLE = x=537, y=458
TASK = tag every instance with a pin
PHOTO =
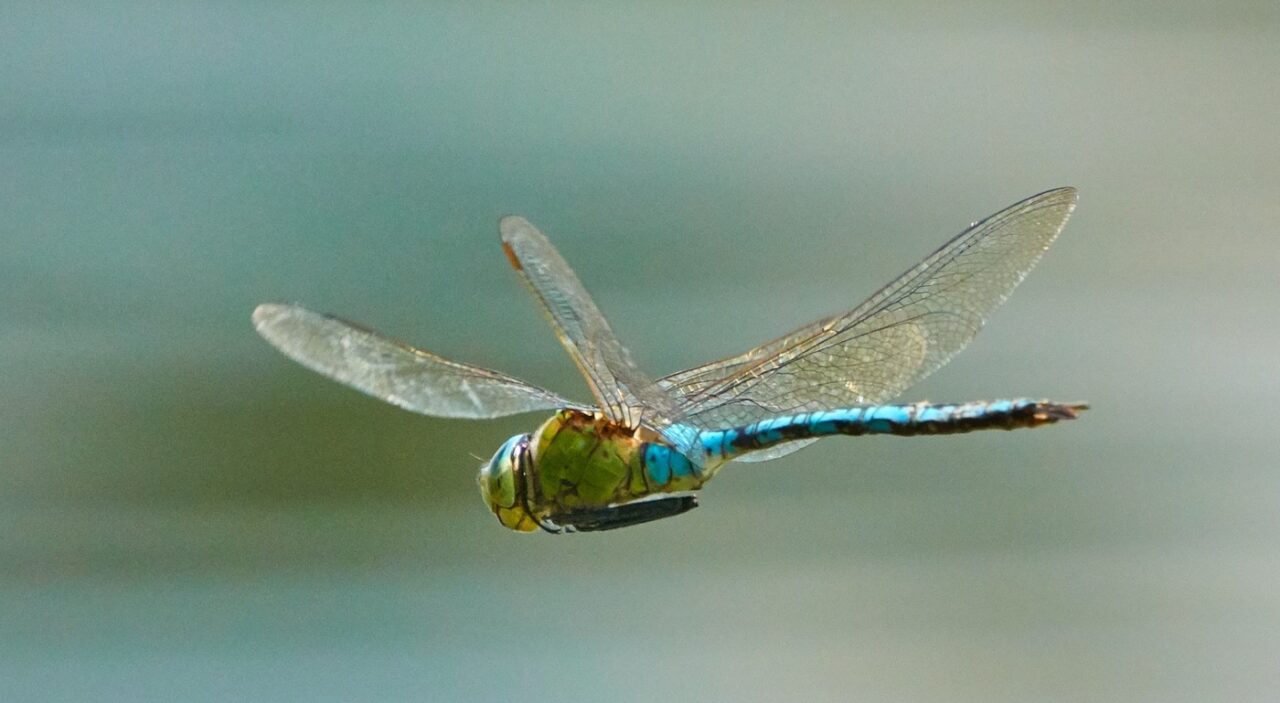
x=186, y=515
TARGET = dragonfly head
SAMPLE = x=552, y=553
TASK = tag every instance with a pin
x=503, y=484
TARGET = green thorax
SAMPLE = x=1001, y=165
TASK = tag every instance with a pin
x=584, y=461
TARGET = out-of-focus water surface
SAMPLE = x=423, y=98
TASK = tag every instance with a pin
x=186, y=515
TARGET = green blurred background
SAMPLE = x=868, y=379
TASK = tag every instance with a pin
x=186, y=515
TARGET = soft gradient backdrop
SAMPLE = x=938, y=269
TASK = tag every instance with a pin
x=187, y=516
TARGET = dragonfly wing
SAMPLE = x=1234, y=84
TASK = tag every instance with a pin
x=776, y=451
x=904, y=332
x=395, y=372
x=625, y=394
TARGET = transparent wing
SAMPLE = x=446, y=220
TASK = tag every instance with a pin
x=904, y=332
x=625, y=394
x=394, y=371
x=777, y=450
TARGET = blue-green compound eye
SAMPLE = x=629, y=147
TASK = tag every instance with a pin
x=500, y=484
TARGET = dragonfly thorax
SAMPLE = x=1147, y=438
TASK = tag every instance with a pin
x=576, y=469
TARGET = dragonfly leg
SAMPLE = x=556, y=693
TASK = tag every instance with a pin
x=625, y=515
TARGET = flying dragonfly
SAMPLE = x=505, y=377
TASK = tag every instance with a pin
x=643, y=449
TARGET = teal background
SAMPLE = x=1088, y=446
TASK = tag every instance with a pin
x=187, y=516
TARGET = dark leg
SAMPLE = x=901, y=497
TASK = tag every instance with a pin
x=626, y=515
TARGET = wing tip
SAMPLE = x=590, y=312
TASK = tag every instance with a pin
x=1062, y=200
x=1066, y=194
x=271, y=319
x=1069, y=195
x=509, y=225
x=513, y=230
x=1072, y=194
x=266, y=313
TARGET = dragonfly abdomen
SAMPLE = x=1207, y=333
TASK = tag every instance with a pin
x=902, y=420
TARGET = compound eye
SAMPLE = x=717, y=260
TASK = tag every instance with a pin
x=498, y=477
x=501, y=487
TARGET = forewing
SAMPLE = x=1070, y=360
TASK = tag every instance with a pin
x=394, y=371
x=904, y=332
x=625, y=394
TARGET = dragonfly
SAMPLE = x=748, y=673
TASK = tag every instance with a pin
x=645, y=447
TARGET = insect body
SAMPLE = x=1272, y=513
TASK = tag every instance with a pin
x=646, y=446
x=578, y=465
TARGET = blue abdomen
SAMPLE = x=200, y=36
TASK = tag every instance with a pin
x=901, y=420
